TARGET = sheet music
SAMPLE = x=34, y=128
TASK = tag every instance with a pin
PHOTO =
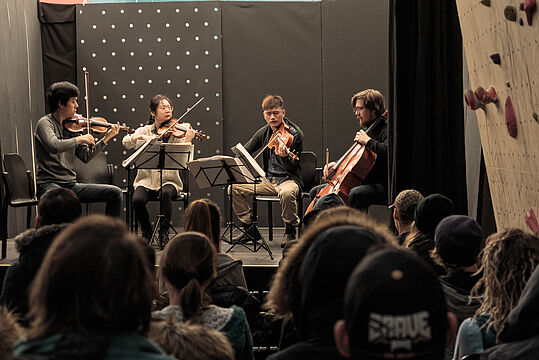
x=248, y=161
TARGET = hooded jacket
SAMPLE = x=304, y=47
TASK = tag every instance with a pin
x=322, y=278
x=32, y=246
x=520, y=331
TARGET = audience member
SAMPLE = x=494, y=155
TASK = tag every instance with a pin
x=310, y=284
x=187, y=341
x=403, y=212
x=458, y=243
x=56, y=208
x=394, y=308
x=428, y=213
x=204, y=216
x=519, y=335
x=91, y=297
x=188, y=264
x=506, y=262
x=10, y=333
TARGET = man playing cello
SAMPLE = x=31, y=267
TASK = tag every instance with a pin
x=368, y=106
x=282, y=171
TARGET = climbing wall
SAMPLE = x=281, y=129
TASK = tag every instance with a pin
x=501, y=45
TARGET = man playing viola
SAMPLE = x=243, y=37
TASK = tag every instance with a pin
x=368, y=106
x=283, y=173
x=56, y=149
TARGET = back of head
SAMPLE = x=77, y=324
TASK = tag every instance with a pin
x=458, y=240
x=58, y=206
x=188, y=263
x=190, y=341
x=507, y=262
x=198, y=218
x=215, y=218
x=94, y=279
x=323, y=274
x=394, y=308
x=406, y=202
x=10, y=332
x=60, y=93
x=430, y=211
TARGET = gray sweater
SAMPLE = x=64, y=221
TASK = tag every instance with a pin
x=55, y=150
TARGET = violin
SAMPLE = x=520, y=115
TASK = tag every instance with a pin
x=98, y=125
x=282, y=136
x=179, y=130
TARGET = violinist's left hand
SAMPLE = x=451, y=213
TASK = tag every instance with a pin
x=188, y=135
x=114, y=130
x=362, y=137
x=281, y=150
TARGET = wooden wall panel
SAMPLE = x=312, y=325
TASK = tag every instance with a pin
x=512, y=163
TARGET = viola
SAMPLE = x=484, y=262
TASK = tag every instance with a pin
x=179, y=130
x=98, y=125
x=282, y=136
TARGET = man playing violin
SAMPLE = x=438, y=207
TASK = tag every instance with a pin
x=148, y=181
x=368, y=106
x=283, y=172
x=56, y=149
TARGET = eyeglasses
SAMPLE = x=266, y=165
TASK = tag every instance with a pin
x=166, y=107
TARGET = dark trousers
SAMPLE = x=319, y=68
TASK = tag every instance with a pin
x=360, y=197
x=91, y=193
x=141, y=197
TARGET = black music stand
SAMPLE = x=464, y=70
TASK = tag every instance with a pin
x=162, y=156
x=226, y=171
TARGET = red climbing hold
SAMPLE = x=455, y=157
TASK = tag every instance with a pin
x=529, y=8
x=510, y=118
x=471, y=100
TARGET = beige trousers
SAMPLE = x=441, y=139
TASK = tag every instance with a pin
x=287, y=191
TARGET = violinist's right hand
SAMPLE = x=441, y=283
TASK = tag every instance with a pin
x=86, y=139
x=135, y=138
x=329, y=167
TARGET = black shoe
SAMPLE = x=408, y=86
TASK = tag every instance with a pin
x=289, y=235
x=250, y=233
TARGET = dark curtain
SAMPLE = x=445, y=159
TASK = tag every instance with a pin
x=58, y=43
x=426, y=100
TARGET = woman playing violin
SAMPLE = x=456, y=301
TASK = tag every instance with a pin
x=148, y=181
x=281, y=165
x=368, y=106
x=56, y=149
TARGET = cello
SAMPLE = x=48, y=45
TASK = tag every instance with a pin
x=350, y=170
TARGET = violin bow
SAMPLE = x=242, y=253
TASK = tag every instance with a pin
x=181, y=117
x=87, y=99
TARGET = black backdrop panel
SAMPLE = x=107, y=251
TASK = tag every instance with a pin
x=355, y=53
x=134, y=51
x=271, y=48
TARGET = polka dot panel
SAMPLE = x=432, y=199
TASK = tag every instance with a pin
x=133, y=51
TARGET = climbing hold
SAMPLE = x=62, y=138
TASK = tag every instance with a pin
x=521, y=22
x=510, y=118
x=485, y=2
x=496, y=58
x=521, y=6
x=529, y=8
x=535, y=117
x=508, y=84
x=471, y=100
x=510, y=13
x=493, y=97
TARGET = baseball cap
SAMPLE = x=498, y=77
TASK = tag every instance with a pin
x=395, y=308
x=407, y=199
x=458, y=240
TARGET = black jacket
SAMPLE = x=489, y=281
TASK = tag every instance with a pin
x=378, y=144
x=32, y=246
x=520, y=331
x=262, y=137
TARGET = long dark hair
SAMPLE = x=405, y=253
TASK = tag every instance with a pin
x=189, y=261
x=154, y=103
x=204, y=216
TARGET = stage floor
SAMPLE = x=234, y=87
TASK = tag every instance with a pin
x=244, y=253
